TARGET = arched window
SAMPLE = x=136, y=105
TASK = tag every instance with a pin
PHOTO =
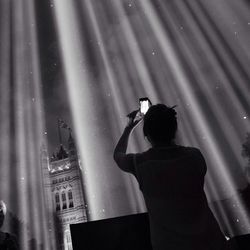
x=57, y=200
x=70, y=197
x=64, y=200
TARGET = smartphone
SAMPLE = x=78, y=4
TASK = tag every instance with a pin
x=145, y=104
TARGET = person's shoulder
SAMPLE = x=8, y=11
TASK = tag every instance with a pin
x=197, y=156
x=143, y=154
x=191, y=150
x=141, y=157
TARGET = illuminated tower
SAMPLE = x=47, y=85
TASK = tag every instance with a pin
x=66, y=189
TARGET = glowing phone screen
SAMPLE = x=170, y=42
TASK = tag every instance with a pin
x=144, y=106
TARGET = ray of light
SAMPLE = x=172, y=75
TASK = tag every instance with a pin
x=114, y=52
x=162, y=50
x=21, y=107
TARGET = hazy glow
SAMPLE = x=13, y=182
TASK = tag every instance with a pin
x=193, y=54
x=22, y=127
x=78, y=81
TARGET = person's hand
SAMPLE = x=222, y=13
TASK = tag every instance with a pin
x=135, y=118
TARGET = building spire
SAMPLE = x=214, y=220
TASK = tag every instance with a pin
x=72, y=149
x=62, y=153
x=59, y=131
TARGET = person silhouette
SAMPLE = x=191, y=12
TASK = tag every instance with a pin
x=7, y=240
x=171, y=178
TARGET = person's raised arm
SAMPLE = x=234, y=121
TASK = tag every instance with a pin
x=123, y=160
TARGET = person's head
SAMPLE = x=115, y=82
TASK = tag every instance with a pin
x=3, y=211
x=160, y=124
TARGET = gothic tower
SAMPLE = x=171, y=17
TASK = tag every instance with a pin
x=64, y=182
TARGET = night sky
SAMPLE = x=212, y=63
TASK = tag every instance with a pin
x=56, y=103
x=96, y=58
x=212, y=49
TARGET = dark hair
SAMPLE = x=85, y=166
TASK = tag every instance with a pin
x=160, y=123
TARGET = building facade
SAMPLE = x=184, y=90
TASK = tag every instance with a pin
x=64, y=192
